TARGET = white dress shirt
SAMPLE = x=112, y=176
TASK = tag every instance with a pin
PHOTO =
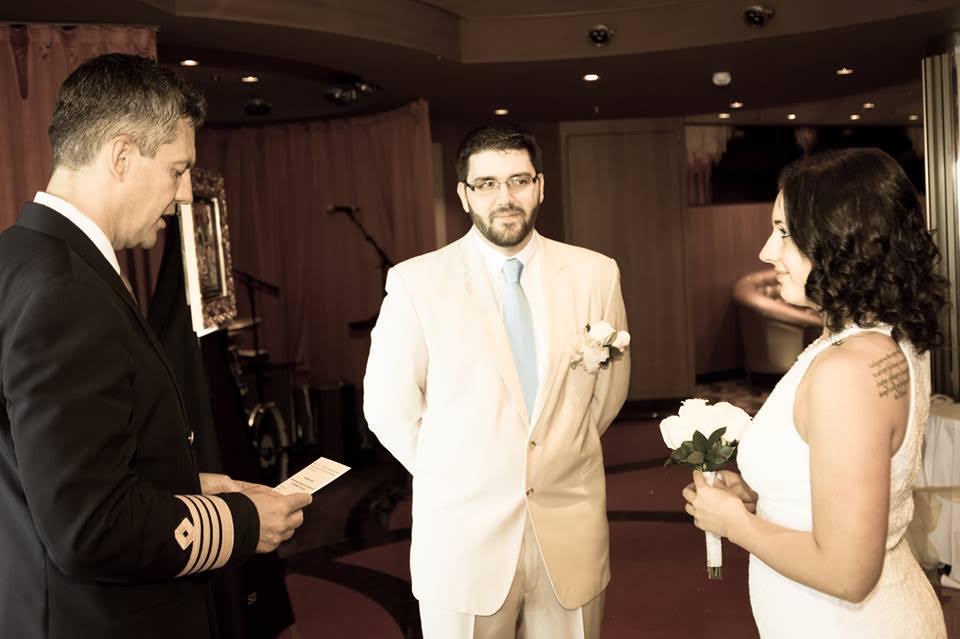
x=82, y=222
x=531, y=281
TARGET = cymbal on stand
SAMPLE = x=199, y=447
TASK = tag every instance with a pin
x=242, y=324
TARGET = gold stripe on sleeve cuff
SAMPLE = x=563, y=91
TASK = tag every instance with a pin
x=207, y=531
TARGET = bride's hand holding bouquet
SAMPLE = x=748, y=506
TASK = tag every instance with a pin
x=705, y=438
x=714, y=506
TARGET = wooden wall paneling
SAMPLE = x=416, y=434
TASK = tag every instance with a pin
x=722, y=245
x=625, y=195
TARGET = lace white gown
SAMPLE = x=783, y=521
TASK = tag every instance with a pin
x=774, y=462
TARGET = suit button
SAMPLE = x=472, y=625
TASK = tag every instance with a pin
x=529, y=491
x=190, y=438
x=533, y=444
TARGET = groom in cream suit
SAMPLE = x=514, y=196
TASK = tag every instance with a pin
x=469, y=385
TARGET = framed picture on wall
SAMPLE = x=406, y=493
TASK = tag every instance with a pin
x=207, y=263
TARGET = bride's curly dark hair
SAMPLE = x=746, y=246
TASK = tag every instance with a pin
x=856, y=216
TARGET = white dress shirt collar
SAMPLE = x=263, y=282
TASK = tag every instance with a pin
x=82, y=222
x=494, y=259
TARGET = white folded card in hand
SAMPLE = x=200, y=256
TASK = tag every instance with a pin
x=313, y=477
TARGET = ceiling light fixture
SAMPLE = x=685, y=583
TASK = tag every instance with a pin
x=791, y=116
x=723, y=116
x=844, y=71
x=501, y=111
x=722, y=78
x=189, y=63
x=913, y=118
x=258, y=107
x=854, y=116
x=349, y=89
x=591, y=77
x=250, y=79
x=736, y=105
x=757, y=15
x=869, y=105
x=600, y=35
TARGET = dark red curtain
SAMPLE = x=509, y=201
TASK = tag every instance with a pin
x=280, y=181
x=34, y=61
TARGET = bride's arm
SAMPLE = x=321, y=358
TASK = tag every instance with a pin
x=850, y=429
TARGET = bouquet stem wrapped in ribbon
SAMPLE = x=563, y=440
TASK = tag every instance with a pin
x=714, y=546
x=705, y=438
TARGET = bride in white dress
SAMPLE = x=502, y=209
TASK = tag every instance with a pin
x=829, y=461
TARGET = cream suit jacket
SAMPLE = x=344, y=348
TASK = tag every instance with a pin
x=442, y=394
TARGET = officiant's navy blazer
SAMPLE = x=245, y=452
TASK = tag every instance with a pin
x=94, y=449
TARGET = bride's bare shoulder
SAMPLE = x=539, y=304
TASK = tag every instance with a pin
x=867, y=370
x=866, y=359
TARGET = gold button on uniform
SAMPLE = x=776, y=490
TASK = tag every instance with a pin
x=533, y=444
x=190, y=438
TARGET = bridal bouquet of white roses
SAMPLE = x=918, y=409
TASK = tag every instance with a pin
x=705, y=437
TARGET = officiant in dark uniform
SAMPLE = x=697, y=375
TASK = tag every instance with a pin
x=108, y=528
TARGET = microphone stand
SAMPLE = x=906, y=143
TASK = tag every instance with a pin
x=385, y=264
x=254, y=284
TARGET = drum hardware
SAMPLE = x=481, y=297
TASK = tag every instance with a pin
x=271, y=442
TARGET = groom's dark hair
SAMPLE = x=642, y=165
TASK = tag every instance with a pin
x=497, y=135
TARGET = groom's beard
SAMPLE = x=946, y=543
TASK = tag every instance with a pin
x=503, y=234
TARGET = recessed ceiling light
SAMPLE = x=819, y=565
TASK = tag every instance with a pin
x=791, y=116
x=914, y=118
x=591, y=77
x=722, y=78
x=188, y=63
x=736, y=105
x=501, y=111
x=249, y=79
x=844, y=71
x=723, y=116
x=854, y=116
x=869, y=105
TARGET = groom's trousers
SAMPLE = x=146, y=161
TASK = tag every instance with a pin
x=530, y=611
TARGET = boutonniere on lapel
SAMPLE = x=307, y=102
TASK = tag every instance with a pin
x=597, y=346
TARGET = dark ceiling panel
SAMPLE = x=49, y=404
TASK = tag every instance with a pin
x=298, y=67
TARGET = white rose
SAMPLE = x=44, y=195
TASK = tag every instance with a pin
x=675, y=431
x=694, y=412
x=600, y=332
x=593, y=357
x=622, y=341
x=735, y=419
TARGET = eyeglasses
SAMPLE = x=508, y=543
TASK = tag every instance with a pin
x=515, y=184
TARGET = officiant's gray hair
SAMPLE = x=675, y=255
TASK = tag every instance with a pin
x=497, y=135
x=116, y=94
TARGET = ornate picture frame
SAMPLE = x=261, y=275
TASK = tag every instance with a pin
x=207, y=262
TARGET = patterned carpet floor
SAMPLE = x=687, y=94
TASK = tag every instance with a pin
x=348, y=566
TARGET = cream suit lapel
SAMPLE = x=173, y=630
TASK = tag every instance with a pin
x=479, y=290
x=558, y=322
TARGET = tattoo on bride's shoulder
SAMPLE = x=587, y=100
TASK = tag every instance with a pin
x=891, y=375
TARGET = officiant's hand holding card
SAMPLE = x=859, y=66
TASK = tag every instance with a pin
x=312, y=478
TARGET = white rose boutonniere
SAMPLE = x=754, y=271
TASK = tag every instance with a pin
x=598, y=345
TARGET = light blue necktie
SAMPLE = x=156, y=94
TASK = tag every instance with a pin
x=519, y=323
